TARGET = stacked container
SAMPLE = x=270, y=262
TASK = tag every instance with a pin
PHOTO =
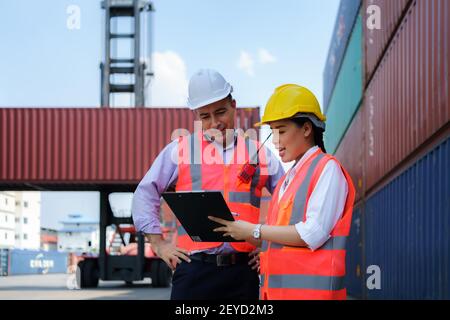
x=4, y=261
x=18, y=262
x=89, y=146
x=395, y=145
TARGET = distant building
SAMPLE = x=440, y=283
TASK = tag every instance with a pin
x=7, y=219
x=20, y=220
x=49, y=239
x=78, y=235
x=28, y=220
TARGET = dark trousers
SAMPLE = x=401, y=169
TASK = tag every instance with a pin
x=200, y=280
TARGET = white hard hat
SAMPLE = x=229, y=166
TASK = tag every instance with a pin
x=207, y=86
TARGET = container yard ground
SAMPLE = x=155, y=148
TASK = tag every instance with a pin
x=54, y=286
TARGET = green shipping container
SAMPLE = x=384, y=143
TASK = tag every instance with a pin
x=347, y=93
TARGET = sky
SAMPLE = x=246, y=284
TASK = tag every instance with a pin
x=48, y=60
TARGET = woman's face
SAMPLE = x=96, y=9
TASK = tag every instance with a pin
x=291, y=141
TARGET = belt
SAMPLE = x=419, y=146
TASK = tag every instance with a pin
x=222, y=260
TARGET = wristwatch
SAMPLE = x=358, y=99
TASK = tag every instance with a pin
x=257, y=232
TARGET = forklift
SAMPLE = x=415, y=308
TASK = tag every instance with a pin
x=113, y=265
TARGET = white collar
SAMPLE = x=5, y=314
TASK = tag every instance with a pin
x=220, y=145
x=303, y=159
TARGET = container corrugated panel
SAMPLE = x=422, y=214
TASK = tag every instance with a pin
x=407, y=227
x=353, y=263
x=347, y=12
x=89, y=146
x=377, y=40
x=347, y=92
x=350, y=152
x=37, y=262
x=408, y=98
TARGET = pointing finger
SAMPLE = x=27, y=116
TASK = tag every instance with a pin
x=218, y=220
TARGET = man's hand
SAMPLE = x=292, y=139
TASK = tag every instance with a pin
x=254, y=262
x=169, y=253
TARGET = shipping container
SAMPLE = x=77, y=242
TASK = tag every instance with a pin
x=4, y=262
x=351, y=151
x=37, y=262
x=345, y=20
x=89, y=147
x=407, y=227
x=376, y=40
x=355, y=274
x=347, y=93
x=407, y=100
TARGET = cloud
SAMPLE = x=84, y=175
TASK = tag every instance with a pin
x=265, y=57
x=246, y=63
x=169, y=86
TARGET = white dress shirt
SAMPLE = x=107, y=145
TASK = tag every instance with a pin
x=326, y=204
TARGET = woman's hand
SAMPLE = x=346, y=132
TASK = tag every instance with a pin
x=239, y=230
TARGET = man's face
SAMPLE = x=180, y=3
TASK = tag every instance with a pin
x=218, y=115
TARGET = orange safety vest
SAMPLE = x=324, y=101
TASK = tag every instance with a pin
x=294, y=273
x=201, y=168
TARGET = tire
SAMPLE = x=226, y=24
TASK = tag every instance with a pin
x=87, y=274
x=161, y=274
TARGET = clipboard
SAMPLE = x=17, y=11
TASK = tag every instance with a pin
x=192, y=209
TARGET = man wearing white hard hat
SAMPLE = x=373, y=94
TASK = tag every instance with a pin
x=210, y=270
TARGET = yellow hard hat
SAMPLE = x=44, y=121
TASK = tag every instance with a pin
x=290, y=100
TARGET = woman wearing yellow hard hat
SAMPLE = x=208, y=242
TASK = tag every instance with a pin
x=309, y=217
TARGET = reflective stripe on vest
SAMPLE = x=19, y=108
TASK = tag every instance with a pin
x=181, y=231
x=300, y=195
x=334, y=243
x=264, y=245
x=245, y=197
x=195, y=166
x=300, y=281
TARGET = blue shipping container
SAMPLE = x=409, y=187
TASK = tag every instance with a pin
x=348, y=10
x=37, y=262
x=353, y=261
x=407, y=228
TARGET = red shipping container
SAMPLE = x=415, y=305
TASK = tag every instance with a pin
x=407, y=101
x=351, y=151
x=376, y=40
x=88, y=147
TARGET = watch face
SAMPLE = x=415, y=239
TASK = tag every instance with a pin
x=256, y=234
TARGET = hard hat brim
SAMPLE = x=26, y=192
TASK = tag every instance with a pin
x=316, y=121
